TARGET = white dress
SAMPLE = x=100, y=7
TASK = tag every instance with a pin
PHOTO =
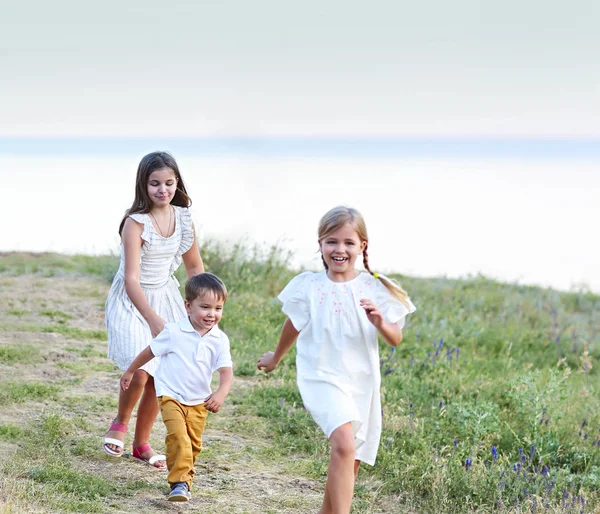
x=128, y=332
x=337, y=354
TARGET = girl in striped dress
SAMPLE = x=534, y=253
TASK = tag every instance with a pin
x=157, y=234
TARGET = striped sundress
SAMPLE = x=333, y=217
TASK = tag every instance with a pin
x=128, y=332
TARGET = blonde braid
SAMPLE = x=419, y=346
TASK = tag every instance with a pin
x=393, y=287
x=324, y=263
x=366, y=261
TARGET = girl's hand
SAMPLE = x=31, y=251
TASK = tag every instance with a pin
x=126, y=380
x=373, y=313
x=156, y=324
x=267, y=362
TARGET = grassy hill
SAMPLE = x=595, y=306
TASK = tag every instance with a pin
x=490, y=404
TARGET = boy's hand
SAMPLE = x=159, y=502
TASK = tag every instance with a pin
x=126, y=380
x=267, y=362
x=373, y=313
x=214, y=401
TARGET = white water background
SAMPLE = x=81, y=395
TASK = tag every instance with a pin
x=530, y=220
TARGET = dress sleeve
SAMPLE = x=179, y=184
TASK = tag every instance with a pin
x=187, y=229
x=143, y=219
x=393, y=310
x=295, y=299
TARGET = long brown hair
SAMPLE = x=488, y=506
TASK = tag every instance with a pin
x=335, y=219
x=148, y=165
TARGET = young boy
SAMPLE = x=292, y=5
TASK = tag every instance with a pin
x=190, y=351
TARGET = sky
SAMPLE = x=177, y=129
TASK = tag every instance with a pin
x=492, y=110
x=272, y=68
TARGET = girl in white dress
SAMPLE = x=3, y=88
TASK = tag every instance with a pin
x=157, y=234
x=336, y=315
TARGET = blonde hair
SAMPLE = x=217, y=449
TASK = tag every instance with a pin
x=339, y=216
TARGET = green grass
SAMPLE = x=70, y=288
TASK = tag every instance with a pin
x=93, y=404
x=69, y=332
x=78, y=367
x=515, y=385
x=87, y=351
x=52, y=264
x=483, y=365
x=17, y=312
x=106, y=367
x=10, y=432
x=12, y=354
x=20, y=392
x=58, y=316
x=56, y=481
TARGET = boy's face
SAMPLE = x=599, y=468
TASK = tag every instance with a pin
x=205, y=311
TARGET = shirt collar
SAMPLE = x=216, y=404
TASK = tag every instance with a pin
x=187, y=326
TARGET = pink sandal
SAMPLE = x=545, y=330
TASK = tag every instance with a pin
x=114, y=427
x=137, y=454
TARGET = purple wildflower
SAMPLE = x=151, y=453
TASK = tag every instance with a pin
x=439, y=347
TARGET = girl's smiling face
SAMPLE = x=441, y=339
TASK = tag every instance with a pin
x=340, y=250
x=162, y=185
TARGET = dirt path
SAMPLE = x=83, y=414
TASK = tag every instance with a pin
x=37, y=318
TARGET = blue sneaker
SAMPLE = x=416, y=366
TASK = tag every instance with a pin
x=179, y=492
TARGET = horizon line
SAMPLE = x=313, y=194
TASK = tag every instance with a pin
x=305, y=146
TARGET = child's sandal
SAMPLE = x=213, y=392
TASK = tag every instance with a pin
x=114, y=427
x=137, y=454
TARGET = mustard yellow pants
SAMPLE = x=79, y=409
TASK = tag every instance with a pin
x=185, y=425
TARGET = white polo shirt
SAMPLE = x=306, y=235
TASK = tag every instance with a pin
x=188, y=361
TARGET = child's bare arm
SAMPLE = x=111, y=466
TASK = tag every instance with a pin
x=270, y=360
x=214, y=401
x=143, y=357
x=132, y=247
x=191, y=259
x=391, y=332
